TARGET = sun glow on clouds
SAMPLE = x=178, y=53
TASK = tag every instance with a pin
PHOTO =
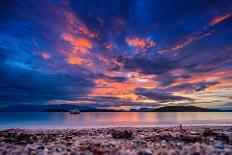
x=222, y=76
x=220, y=19
x=81, y=45
x=79, y=61
x=186, y=43
x=106, y=59
x=123, y=90
x=81, y=38
x=140, y=43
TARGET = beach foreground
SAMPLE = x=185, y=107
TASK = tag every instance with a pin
x=124, y=141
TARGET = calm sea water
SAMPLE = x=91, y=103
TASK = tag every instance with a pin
x=110, y=119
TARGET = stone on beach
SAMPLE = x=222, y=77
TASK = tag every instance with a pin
x=118, y=141
x=125, y=134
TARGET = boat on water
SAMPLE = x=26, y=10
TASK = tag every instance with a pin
x=75, y=111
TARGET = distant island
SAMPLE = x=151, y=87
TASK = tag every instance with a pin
x=178, y=109
x=68, y=107
x=55, y=110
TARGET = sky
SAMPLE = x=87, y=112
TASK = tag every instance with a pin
x=117, y=54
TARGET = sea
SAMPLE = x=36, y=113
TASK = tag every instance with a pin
x=59, y=120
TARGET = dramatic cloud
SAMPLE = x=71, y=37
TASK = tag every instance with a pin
x=79, y=44
x=157, y=65
x=28, y=88
x=200, y=86
x=185, y=43
x=79, y=61
x=116, y=54
x=159, y=95
x=139, y=43
x=77, y=26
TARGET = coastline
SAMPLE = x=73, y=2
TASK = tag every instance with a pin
x=119, y=140
x=33, y=128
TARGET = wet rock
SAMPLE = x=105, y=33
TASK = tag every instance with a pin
x=194, y=133
x=209, y=132
x=219, y=145
x=145, y=152
x=96, y=143
x=59, y=149
x=163, y=142
x=101, y=136
x=74, y=153
x=138, y=140
x=122, y=134
x=118, y=141
x=41, y=147
x=223, y=137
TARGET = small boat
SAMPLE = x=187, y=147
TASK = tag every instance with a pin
x=75, y=111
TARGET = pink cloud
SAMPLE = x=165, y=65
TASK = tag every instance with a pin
x=45, y=55
x=220, y=19
x=185, y=43
x=140, y=43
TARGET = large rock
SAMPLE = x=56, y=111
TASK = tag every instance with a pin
x=125, y=134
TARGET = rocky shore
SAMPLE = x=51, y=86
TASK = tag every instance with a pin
x=194, y=140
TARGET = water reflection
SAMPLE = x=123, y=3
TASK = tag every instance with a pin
x=99, y=119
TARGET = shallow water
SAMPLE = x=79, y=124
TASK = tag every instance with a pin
x=42, y=120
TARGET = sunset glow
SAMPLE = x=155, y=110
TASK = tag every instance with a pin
x=139, y=54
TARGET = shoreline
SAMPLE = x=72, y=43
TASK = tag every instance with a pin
x=116, y=126
x=109, y=111
x=118, y=140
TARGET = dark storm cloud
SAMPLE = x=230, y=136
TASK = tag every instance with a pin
x=26, y=87
x=156, y=65
x=189, y=39
x=168, y=79
x=159, y=95
x=110, y=78
x=200, y=86
x=119, y=104
x=202, y=60
x=102, y=99
x=118, y=79
x=203, y=85
x=19, y=85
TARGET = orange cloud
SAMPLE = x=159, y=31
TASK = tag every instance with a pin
x=79, y=61
x=75, y=60
x=180, y=46
x=79, y=44
x=123, y=90
x=190, y=40
x=140, y=43
x=220, y=76
x=220, y=19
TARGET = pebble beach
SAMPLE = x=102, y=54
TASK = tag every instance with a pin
x=178, y=140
